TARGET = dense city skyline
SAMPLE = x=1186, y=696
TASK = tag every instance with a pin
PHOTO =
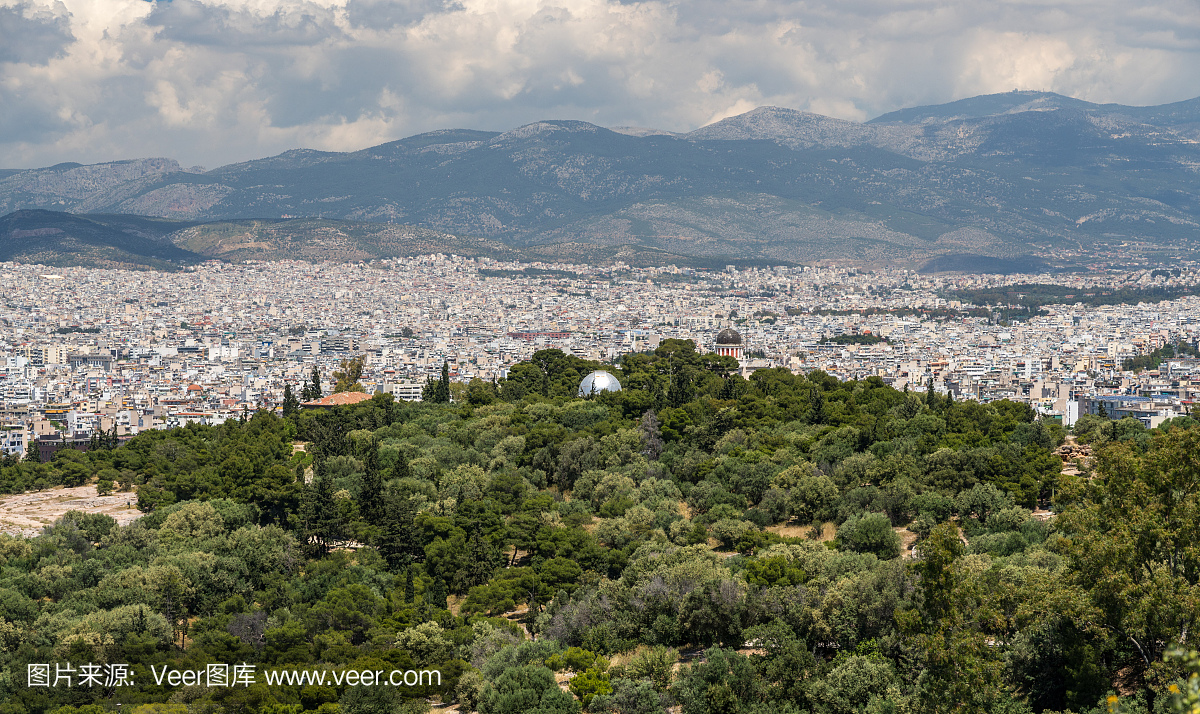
x=90, y=350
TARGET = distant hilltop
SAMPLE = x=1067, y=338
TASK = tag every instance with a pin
x=1032, y=177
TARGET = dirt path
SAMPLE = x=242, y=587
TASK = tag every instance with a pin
x=907, y=539
x=27, y=513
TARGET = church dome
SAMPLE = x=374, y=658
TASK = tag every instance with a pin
x=729, y=336
x=599, y=381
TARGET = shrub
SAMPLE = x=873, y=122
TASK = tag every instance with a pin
x=575, y=659
x=937, y=506
x=522, y=689
x=588, y=684
x=656, y=664
x=870, y=533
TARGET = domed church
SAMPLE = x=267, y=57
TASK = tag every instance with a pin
x=729, y=344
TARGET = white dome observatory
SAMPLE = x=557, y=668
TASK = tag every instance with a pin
x=598, y=381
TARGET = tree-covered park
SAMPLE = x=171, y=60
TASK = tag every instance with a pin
x=782, y=544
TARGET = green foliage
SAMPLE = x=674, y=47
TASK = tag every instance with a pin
x=655, y=664
x=291, y=404
x=1185, y=694
x=574, y=659
x=870, y=533
x=630, y=696
x=590, y=683
x=723, y=683
x=348, y=373
x=628, y=526
x=1032, y=296
x=312, y=390
x=1132, y=542
x=772, y=571
x=812, y=495
x=1151, y=360
x=526, y=690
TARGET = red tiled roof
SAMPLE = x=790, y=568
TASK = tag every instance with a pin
x=338, y=400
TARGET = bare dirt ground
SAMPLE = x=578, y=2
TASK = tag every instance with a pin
x=907, y=539
x=828, y=531
x=26, y=514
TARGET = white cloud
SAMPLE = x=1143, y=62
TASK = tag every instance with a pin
x=213, y=81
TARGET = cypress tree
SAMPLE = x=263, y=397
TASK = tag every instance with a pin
x=443, y=385
x=371, y=495
x=320, y=521
x=817, y=413
x=397, y=543
x=481, y=563
x=315, y=389
x=401, y=469
x=290, y=404
x=329, y=526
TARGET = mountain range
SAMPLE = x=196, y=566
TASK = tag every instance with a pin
x=1022, y=176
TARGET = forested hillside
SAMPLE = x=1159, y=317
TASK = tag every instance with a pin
x=784, y=544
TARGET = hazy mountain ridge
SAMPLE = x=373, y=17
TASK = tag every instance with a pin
x=317, y=240
x=1033, y=172
x=990, y=105
x=71, y=186
x=53, y=238
x=123, y=241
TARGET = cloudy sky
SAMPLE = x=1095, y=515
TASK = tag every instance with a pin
x=215, y=81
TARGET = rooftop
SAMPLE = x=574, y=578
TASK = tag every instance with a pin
x=340, y=399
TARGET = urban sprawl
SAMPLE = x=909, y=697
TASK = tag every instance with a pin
x=91, y=351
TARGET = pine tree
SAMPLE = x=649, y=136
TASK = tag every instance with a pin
x=290, y=404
